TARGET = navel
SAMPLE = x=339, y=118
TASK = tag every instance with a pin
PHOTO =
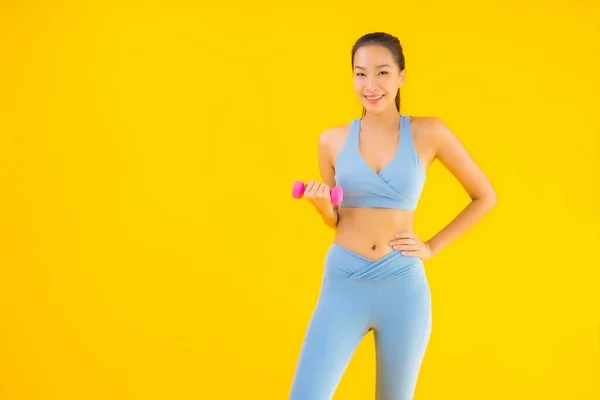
x=373, y=247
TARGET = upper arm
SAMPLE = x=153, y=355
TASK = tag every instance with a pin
x=454, y=156
x=325, y=158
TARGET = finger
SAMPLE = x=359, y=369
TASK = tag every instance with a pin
x=405, y=240
x=410, y=253
x=408, y=247
x=309, y=186
x=314, y=188
x=402, y=241
x=405, y=235
x=323, y=191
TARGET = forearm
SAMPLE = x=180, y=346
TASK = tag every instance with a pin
x=468, y=217
x=330, y=217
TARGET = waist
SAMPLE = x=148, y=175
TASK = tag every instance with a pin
x=368, y=231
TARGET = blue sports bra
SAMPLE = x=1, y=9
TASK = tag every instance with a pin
x=398, y=185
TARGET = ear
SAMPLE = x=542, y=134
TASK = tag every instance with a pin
x=401, y=78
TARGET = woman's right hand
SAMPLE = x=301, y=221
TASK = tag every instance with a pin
x=319, y=195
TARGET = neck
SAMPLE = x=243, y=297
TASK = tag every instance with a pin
x=385, y=120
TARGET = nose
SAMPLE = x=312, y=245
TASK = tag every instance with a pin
x=371, y=85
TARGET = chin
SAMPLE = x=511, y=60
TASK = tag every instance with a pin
x=374, y=109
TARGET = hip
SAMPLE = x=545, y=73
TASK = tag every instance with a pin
x=346, y=264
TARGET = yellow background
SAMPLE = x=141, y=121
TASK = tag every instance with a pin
x=149, y=244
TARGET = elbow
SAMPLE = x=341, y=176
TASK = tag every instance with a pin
x=488, y=199
x=493, y=200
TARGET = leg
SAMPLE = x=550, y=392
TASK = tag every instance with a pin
x=401, y=339
x=338, y=324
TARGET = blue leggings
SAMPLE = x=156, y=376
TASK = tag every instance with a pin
x=389, y=296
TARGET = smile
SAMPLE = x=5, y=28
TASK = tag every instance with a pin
x=374, y=99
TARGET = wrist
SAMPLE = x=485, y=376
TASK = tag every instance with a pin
x=432, y=247
x=329, y=215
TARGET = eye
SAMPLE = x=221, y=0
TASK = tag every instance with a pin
x=384, y=72
x=359, y=74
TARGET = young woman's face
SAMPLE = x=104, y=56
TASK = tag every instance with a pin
x=377, y=78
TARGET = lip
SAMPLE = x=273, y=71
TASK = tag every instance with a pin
x=374, y=99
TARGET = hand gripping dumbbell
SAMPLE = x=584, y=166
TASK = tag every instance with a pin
x=336, y=192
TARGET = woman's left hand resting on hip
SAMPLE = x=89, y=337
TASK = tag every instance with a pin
x=411, y=246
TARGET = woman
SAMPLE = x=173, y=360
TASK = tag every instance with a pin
x=374, y=278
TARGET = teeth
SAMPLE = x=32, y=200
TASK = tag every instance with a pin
x=375, y=98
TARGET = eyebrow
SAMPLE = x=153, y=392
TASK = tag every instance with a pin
x=379, y=66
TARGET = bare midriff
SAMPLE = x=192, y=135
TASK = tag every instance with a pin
x=368, y=231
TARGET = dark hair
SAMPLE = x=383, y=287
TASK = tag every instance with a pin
x=389, y=42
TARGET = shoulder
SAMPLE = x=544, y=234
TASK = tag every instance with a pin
x=431, y=129
x=333, y=138
x=334, y=135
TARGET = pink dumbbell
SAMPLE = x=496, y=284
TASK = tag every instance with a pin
x=336, y=192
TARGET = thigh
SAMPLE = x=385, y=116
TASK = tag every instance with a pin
x=401, y=339
x=338, y=324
